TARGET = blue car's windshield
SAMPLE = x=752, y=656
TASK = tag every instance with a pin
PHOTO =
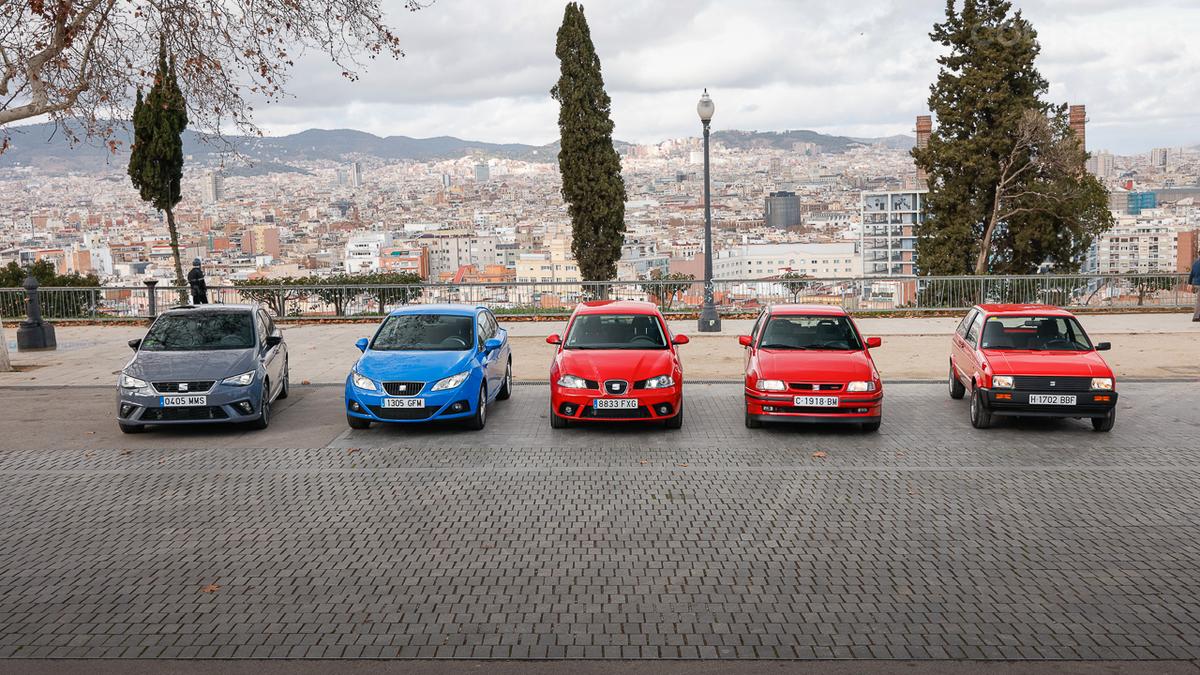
x=425, y=332
x=200, y=331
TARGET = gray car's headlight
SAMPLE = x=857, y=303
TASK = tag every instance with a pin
x=660, y=382
x=131, y=382
x=450, y=382
x=363, y=382
x=243, y=380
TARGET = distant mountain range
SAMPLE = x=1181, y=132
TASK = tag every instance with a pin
x=40, y=146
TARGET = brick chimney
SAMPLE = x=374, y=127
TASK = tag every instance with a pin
x=1078, y=117
x=924, y=131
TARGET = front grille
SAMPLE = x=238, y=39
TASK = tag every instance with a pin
x=1043, y=383
x=617, y=387
x=189, y=414
x=403, y=413
x=193, y=387
x=628, y=414
x=403, y=388
x=809, y=386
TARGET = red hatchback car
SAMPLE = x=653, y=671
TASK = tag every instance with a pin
x=617, y=362
x=809, y=363
x=1030, y=361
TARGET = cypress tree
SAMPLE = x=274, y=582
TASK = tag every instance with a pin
x=1003, y=198
x=156, y=158
x=587, y=161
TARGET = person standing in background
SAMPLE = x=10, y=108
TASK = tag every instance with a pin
x=1194, y=280
x=195, y=279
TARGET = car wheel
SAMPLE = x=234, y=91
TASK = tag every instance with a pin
x=871, y=427
x=479, y=419
x=506, y=388
x=752, y=422
x=957, y=390
x=1105, y=423
x=131, y=428
x=557, y=422
x=357, y=422
x=981, y=417
x=675, y=422
x=287, y=378
x=264, y=408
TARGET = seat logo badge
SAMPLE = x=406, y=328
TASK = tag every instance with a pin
x=183, y=386
x=1052, y=383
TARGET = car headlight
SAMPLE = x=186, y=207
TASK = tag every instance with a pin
x=131, y=382
x=771, y=385
x=861, y=385
x=243, y=380
x=572, y=382
x=1002, y=381
x=660, y=382
x=450, y=382
x=363, y=382
x=1102, y=383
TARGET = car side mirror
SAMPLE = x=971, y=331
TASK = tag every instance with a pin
x=873, y=342
x=274, y=340
x=492, y=344
x=745, y=340
x=554, y=340
x=135, y=343
x=1104, y=346
x=680, y=340
x=362, y=343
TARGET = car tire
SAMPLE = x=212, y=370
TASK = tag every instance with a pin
x=131, y=428
x=752, y=422
x=1105, y=423
x=957, y=390
x=871, y=427
x=479, y=420
x=357, y=422
x=506, y=388
x=264, y=408
x=287, y=379
x=557, y=421
x=675, y=422
x=981, y=417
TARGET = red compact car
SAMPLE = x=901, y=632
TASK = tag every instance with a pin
x=808, y=363
x=1030, y=361
x=617, y=362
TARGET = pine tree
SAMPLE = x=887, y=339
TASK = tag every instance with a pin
x=591, y=170
x=1007, y=186
x=156, y=158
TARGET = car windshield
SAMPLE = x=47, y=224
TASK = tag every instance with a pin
x=425, y=332
x=1036, y=333
x=616, y=331
x=200, y=331
x=804, y=331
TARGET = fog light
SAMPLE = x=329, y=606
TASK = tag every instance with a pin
x=768, y=408
x=863, y=410
x=458, y=407
x=569, y=409
x=245, y=407
x=664, y=409
x=126, y=409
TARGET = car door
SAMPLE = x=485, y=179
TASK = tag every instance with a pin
x=505, y=349
x=484, y=331
x=268, y=355
x=958, y=344
x=970, y=364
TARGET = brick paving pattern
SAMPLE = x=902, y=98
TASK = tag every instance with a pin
x=928, y=540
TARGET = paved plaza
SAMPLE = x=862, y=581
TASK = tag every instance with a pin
x=928, y=540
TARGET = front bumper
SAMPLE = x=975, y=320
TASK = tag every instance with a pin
x=224, y=404
x=780, y=407
x=1087, y=403
x=454, y=403
x=653, y=404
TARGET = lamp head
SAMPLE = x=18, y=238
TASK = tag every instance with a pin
x=705, y=108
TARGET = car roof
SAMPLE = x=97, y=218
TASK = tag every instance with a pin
x=447, y=308
x=1030, y=308
x=616, y=307
x=822, y=310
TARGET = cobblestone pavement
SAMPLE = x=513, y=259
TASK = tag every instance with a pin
x=927, y=540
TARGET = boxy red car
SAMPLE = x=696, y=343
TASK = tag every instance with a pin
x=809, y=363
x=617, y=362
x=1030, y=361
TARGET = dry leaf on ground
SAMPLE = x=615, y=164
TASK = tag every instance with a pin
x=211, y=588
x=819, y=455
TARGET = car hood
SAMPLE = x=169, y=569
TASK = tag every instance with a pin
x=416, y=366
x=813, y=366
x=191, y=365
x=1063, y=364
x=616, y=364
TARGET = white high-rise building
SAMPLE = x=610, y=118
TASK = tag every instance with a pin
x=213, y=188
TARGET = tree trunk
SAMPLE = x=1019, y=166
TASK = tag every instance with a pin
x=179, y=280
x=5, y=363
x=985, y=246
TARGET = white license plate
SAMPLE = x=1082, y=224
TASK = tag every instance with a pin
x=182, y=401
x=404, y=403
x=615, y=404
x=816, y=402
x=1051, y=399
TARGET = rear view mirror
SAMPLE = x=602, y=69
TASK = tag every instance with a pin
x=681, y=340
x=744, y=340
x=135, y=343
x=554, y=340
x=873, y=342
x=362, y=344
x=492, y=344
x=274, y=340
x=1104, y=346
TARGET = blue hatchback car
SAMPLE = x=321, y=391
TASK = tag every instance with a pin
x=430, y=362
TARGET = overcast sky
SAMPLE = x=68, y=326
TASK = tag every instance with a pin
x=482, y=69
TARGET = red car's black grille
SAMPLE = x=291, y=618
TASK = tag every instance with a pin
x=810, y=386
x=626, y=414
x=1051, y=384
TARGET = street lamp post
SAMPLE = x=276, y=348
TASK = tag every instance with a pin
x=710, y=321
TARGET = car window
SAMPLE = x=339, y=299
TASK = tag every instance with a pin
x=261, y=328
x=1036, y=333
x=810, y=331
x=200, y=331
x=425, y=332
x=494, y=324
x=615, y=331
x=965, y=324
x=267, y=321
x=757, y=325
x=972, y=337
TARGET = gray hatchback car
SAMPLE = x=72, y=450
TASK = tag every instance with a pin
x=204, y=364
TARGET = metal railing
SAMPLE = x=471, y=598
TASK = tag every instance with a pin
x=872, y=294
